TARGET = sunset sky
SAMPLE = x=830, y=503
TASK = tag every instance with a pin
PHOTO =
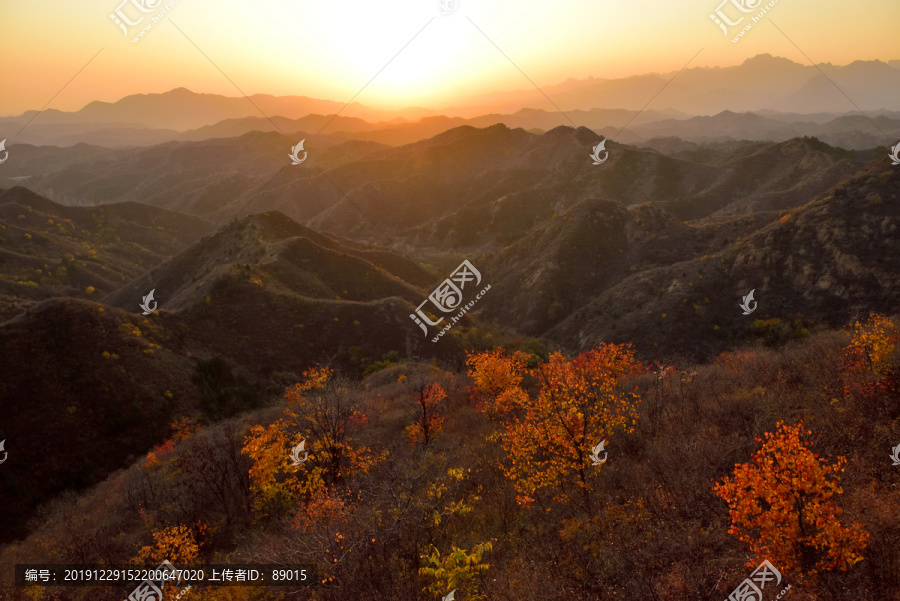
x=331, y=49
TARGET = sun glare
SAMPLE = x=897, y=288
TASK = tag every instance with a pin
x=411, y=54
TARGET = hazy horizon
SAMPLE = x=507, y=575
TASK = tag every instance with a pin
x=411, y=54
x=448, y=110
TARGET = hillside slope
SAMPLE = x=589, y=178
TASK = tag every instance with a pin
x=646, y=522
x=50, y=250
x=600, y=272
x=85, y=389
x=88, y=386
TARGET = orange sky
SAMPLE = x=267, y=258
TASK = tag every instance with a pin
x=331, y=49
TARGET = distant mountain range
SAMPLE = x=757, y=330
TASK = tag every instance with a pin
x=780, y=92
x=762, y=82
x=462, y=189
x=847, y=130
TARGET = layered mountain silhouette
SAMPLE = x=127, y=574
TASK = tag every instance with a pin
x=759, y=86
x=760, y=82
x=454, y=342
x=183, y=109
x=464, y=188
x=850, y=130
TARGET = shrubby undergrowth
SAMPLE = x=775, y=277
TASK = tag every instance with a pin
x=420, y=481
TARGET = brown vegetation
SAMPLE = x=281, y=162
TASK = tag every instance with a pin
x=384, y=517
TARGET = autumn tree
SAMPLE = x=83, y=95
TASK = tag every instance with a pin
x=549, y=434
x=497, y=377
x=329, y=533
x=782, y=504
x=322, y=413
x=179, y=545
x=325, y=410
x=429, y=421
x=456, y=571
x=184, y=428
x=275, y=483
x=870, y=360
x=159, y=452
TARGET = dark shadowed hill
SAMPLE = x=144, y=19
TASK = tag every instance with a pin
x=276, y=252
x=84, y=389
x=766, y=177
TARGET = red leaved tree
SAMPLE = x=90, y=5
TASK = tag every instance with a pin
x=782, y=504
x=429, y=421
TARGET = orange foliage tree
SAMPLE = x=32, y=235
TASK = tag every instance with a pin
x=428, y=420
x=548, y=435
x=177, y=544
x=869, y=359
x=275, y=481
x=325, y=410
x=184, y=428
x=322, y=412
x=497, y=378
x=781, y=504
